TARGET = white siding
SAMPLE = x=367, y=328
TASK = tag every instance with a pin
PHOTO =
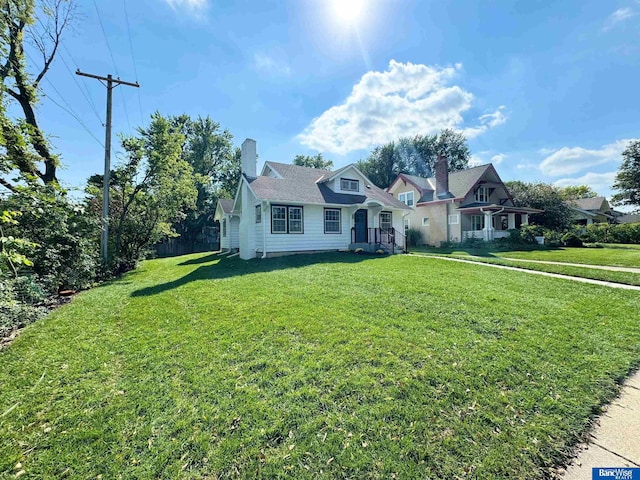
x=224, y=239
x=247, y=242
x=234, y=232
x=313, y=237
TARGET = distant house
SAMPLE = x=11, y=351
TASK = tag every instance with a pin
x=290, y=209
x=472, y=203
x=628, y=217
x=586, y=211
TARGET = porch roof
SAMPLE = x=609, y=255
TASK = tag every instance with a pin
x=478, y=207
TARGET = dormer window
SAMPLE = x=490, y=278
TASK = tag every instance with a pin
x=406, y=198
x=348, y=185
x=482, y=194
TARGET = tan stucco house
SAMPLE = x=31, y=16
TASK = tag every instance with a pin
x=472, y=203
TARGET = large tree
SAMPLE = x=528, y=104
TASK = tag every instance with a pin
x=556, y=215
x=416, y=156
x=628, y=177
x=577, y=192
x=313, y=161
x=38, y=25
x=216, y=166
x=151, y=188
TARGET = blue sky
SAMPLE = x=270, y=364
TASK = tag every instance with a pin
x=545, y=90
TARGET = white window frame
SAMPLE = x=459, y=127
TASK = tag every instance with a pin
x=224, y=227
x=407, y=198
x=290, y=210
x=334, y=222
x=454, y=219
x=258, y=213
x=475, y=223
x=389, y=223
x=348, y=184
x=482, y=194
x=283, y=209
x=407, y=225
x=425, y=221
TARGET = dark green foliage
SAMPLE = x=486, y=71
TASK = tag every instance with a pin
x=313, y=161
x=608, y=233
x=547, y=197
x=570, y=239
x=628, y=177
x=572, y=192
x=414, y=237
x=66, y=236
x=415, y=156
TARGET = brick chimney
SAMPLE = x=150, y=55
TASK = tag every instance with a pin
x=249, y=157
x=442, y=177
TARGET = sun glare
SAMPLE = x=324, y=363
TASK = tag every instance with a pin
x=348, y=11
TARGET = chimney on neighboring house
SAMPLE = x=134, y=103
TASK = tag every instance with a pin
x=442, y=178
x=249, y=157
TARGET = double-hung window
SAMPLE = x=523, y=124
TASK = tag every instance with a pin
x=332, y=220
x=286, y=219
x=477, y=222
x=406, y=198
x=258, y=213
x=482, y=194
x=348, y=185
x=224, y=227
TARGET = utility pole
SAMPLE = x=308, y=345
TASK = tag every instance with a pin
x=111, y=84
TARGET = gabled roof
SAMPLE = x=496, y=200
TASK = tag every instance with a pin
x=226, y=204
x=593, y=203
x=302, y=185
x=460, y=182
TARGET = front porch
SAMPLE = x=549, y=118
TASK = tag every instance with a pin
x=492, y=222
x=371, y=240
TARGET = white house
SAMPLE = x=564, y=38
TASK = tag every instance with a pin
x=291, y=209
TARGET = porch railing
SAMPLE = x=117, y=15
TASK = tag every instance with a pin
x=383, y=236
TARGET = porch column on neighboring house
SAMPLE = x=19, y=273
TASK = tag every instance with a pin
x=525, y=219
x=488, y=227
x=511, y=221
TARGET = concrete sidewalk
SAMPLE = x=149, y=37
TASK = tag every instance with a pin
x=602, y=283
x=615, y=442
x=610, y=268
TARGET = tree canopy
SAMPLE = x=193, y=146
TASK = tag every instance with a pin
x=415, y=156
x=576, y=192
x=23, y=145
x=556, y=215
x=313, y=161
x=628, y=177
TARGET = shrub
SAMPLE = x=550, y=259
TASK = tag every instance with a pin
x=570, y=239
x=474, y=243
x=606, y=233
x=414, y=237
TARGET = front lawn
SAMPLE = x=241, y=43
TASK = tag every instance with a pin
x=612, y=255
x=325, y=366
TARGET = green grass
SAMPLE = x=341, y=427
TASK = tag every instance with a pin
x=498, y=258
x=612, y=255
x=326, y=366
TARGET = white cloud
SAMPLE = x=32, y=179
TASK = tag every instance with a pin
x=497, y=159
x=620, y=15
x=599, y=182
x=570, y=160
x=404, y=100
x=269, y=64
x=475, y=161
x=189, y=6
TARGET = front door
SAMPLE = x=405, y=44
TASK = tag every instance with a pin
x=360, y=225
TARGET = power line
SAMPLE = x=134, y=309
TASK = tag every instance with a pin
x=89, y=101
x=113, y=60
x=73, y=114
x=84, y=83
x=133, y=57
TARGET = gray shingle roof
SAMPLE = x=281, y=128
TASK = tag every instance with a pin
x=226, y=204
x=593, y=203
x=300, y=185
x=459, y=182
